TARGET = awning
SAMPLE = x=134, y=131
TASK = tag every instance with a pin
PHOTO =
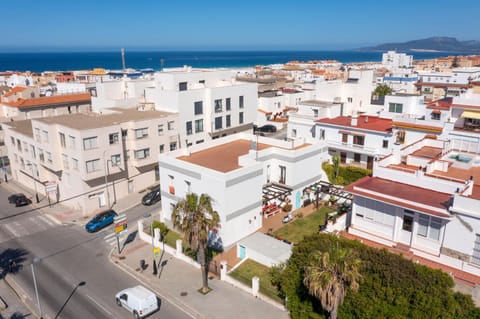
x=436, y=111
x=350, y=133
x=471, y=115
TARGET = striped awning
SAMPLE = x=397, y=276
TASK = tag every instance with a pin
x=471, y=115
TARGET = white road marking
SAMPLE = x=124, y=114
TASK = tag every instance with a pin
x=46, y=220
x=11, y=230
x=99, y=305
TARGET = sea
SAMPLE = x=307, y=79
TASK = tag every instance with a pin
x=64, y=61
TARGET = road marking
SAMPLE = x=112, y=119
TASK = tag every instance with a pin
x=11, y=230
x=109, y=236
x=99, y=305
x=46, y=220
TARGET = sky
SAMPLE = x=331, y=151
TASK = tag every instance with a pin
x=82, y=25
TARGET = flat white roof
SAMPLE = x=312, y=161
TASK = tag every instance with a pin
x=268, y=246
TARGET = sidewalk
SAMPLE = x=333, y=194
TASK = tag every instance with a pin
x=10, y=304
x=178, y=283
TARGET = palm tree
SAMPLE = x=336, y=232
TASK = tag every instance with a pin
x=336, y=166
x=195, y=217
x=329, y=274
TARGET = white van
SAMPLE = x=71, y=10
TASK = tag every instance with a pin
x=139, y=300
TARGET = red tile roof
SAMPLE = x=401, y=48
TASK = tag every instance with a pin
x=403, y=195
x=49, y=100
x=16, y=89
x=425, y=128
x=443, y=104
x=370, y=123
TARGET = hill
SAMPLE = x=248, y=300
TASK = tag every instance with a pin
x=443, y=44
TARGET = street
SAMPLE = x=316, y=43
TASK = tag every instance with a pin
x=74, y=277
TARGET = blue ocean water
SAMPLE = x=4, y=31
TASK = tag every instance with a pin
x=56, y=61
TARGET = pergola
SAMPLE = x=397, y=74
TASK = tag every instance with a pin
x=326, y=188
x=273, y=191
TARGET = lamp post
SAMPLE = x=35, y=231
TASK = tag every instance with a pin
x=106, y=179
x=34, y=182
x=35, y=261
x=149, y=217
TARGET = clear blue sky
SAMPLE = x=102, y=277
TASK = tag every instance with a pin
x=230, y=24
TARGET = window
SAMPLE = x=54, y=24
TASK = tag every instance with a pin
x=115, y=159
x=344, y=138
x=228, y=104
x=321, y=136
x=160, y=129
x=198, y=126
x=113, y=138
x=38, y=138
x=435, y=226
x=65, y=161
x=49, y=158
x=435, y=115
x=75, y=164
x=218, y=106
x=173, y=146
x=349, y=100
x=407, y=223
x=385, y=144
x=395, y=107
x=189, y=128
x=240, y=118
x=283, y=174
x=45, y=136
x=32, y=151
x=71, y=142
x=198, y=107
x=90, y=143
x=124, y=134
x=63, y=143
x=423, y=222
x=476, y=250
x=315, y=113
x=429, y=227
x=141, y=133
x=241, y=102
x=162, y=148
x=218, y=123
x=358, y=140
x=357, y=157
x=12, y=140
x=182, y=86
x=142, y=154
x=199, y=142
x=93, y=165
x=400, y=137
x=171, y=125
x=228, y=121
x=40, y=155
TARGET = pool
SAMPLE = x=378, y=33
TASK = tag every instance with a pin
x=461, y=158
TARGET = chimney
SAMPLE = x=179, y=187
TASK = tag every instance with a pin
x=366, y=119
x=354, y=120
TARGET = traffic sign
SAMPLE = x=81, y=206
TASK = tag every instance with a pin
x=51, y=188
x=156, y=251
x=120, y=222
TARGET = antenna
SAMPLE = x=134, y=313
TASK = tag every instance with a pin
x=123, y=59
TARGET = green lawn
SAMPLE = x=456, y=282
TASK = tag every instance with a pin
x=301, y=227
x=246, y=271
x=171, y=238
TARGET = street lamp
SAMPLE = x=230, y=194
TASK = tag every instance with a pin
x=34, y=182
x=35, y=261
x=81, y=283
x=149, y=217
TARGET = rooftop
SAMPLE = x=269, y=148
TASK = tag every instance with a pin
x=224, y=157
x=22, y=127
x=50, y=100
x=370, y=123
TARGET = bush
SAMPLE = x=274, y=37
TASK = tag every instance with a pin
x=287, y=207
x=346, y=174
x=163, y=228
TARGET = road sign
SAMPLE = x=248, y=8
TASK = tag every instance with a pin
x=51, y=187
x=156, y=252
x=120, y=222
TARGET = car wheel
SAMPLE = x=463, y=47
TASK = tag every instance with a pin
x=135, y=315
x=118, y=302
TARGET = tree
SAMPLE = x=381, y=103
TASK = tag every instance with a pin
x=382, y=90
x=195, y=217
x=329, y=274
x=336, y=166
x=455, y=63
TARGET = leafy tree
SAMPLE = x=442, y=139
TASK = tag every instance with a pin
x=455, y=62
x=382, y=90
x=336, y=165
x=195, y=217
x=329, y=275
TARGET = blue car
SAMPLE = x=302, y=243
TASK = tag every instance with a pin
x=100, y=221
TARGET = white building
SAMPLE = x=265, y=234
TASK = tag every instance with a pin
x=240, y=178
x=393, y=60
x=93, y=159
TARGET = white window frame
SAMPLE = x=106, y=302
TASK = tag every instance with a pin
x=90, y=143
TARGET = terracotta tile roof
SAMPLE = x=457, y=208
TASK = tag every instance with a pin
x=403, y=195
x=425, y=128
x=370, y=123
x=222, y=158
x=443, y=104
x=16, y=89
x=428, y=152
x=49, y=100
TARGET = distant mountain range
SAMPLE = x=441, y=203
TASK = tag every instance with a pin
x=443, y=44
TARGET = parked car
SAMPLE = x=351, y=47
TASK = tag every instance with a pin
x=152, y=197
x=267, y=128
x=101, y=220
x=22, y=200
x=287, y=218
x=138, y=300
x=13, y=198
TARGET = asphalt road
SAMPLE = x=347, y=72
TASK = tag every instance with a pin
x=68, y=256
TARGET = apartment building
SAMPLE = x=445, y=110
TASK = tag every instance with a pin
x=436, y=85
x=94, y=159
x=393, y=60
x=264, y=171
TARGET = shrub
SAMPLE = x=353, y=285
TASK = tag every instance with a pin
x=163, y=228
x=346, y=174
x=287, y=207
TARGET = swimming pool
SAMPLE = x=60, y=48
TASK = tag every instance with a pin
x=461, y=158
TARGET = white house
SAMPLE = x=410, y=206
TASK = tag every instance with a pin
x=393, y=60
x=242, y=173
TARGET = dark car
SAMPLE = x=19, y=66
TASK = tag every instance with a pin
x=22, y=201
x=12, y=198
x=267, y=128
x=152, y=197
x=101, y=220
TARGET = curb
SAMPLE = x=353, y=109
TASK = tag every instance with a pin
x=20, y=293
x=185, y=308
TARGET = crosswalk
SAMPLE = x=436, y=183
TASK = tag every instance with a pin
x=16, y=228
x=111, y=239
